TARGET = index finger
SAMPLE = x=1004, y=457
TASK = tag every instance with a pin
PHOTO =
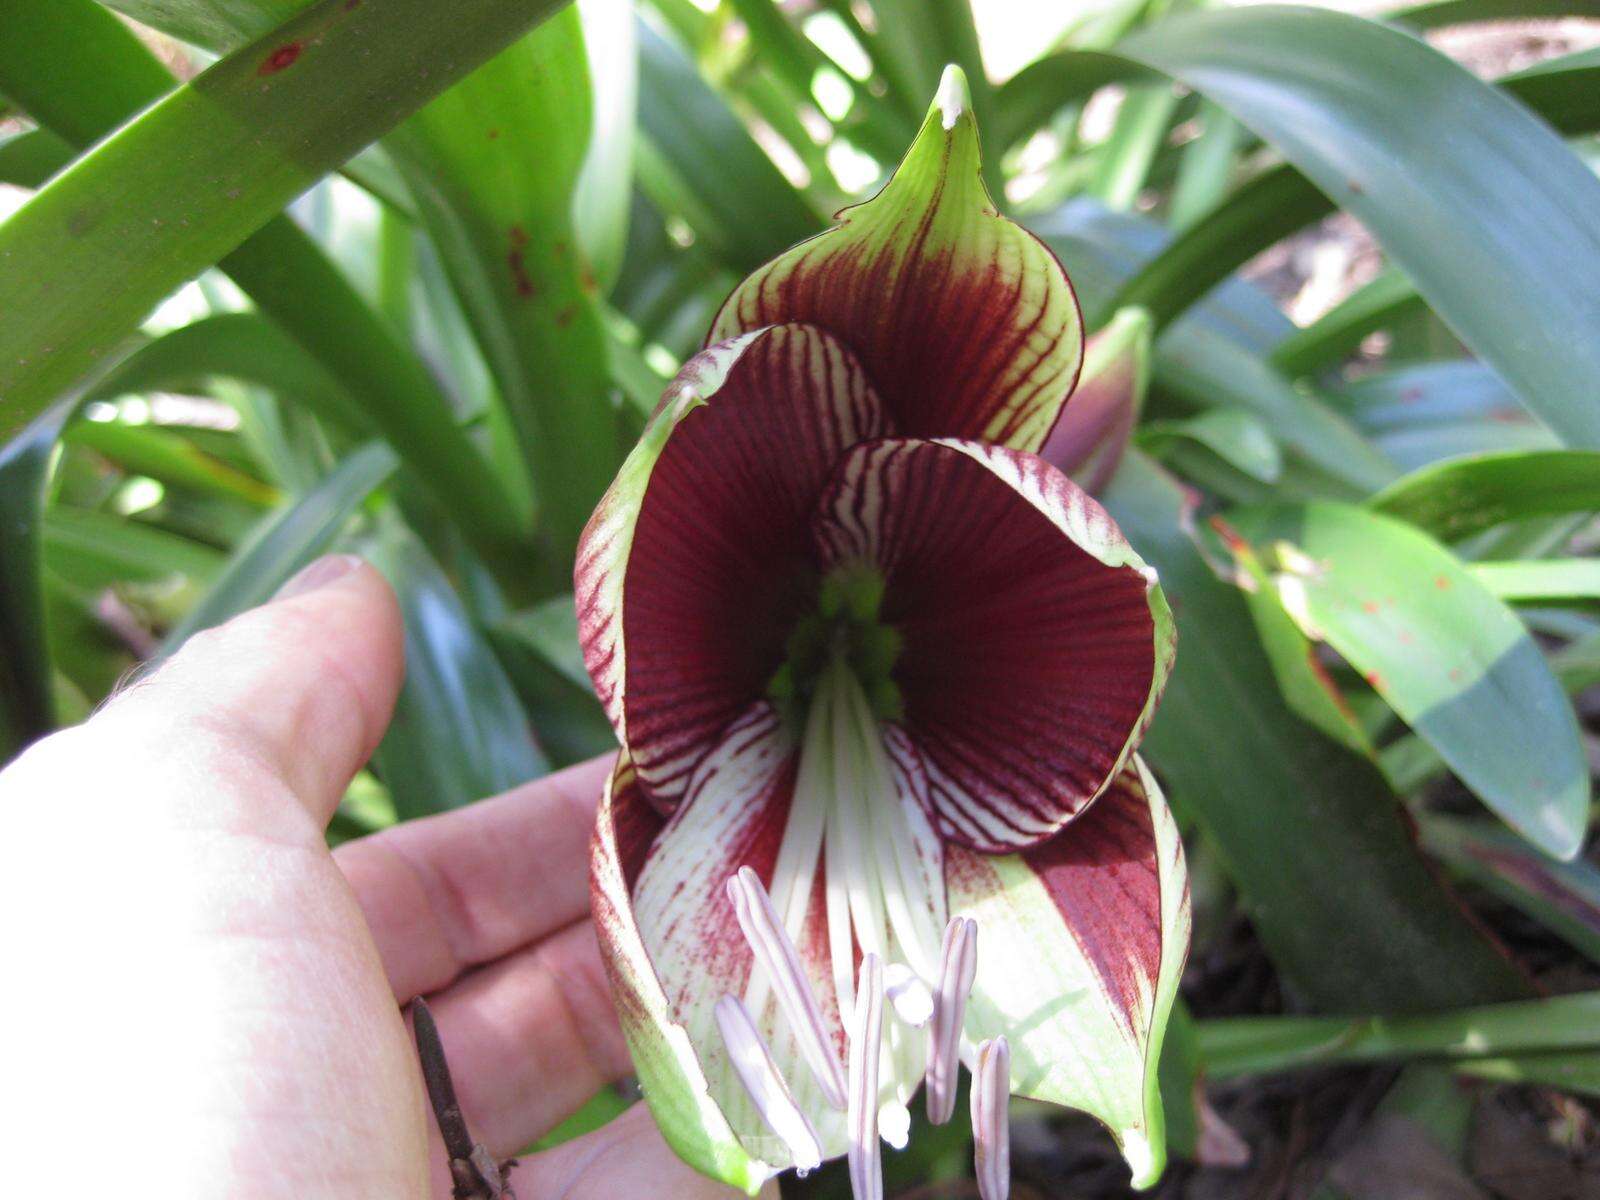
x=464, y=888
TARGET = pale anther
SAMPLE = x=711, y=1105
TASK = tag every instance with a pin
x=991, y=1127
x=781, y=961
x=911, y=997
x=759, y=1074
x=866, y=1044
x=958, y=965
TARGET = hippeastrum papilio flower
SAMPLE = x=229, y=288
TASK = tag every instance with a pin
x=878, y=672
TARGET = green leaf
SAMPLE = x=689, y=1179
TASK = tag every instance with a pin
x=26, y=705
x=1440, y=13
x=1342, y=327
x=1463, y=496
x=1295, y=816
x=1207, y=169
x=259, y=127
x=610, y=35
x=1251, y=1045
x=1211, y=373
x=140, y=184
x=1546, y=581
x=697, y=160
x=458, y=733
x=287, y=541
x=1563, y=897
x=539, y=649
x=1452, y=660
x=95, y=550
x=1235, y=436
x=164, y=455
x=1344, y=99
x=494, y=164
x=1124, y=159
x=242, y=346
x=30, y=157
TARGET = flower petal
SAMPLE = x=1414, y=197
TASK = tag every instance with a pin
x=1088, y=442
x=965, y=322
x=735, y=814
x=670, y=1070
x=1035, y=641
x=1082, y=940
x=690, y=572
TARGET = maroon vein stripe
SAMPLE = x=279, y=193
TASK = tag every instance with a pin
x=1028, y=662
x=1103, y=874
x=720, y=566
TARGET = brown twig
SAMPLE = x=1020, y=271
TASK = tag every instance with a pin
x=476, y=1174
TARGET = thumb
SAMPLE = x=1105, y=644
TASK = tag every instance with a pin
x=296, y=692
x=201, y=999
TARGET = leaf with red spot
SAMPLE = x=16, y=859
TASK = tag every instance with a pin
x=1448, y=656
x=964, y=321
x=1081, y=941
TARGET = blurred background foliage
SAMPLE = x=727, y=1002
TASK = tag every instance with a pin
x=406, y=278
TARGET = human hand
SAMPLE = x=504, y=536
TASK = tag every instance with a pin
x=204, y=1001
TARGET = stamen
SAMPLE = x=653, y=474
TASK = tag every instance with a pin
x=912, y=999
x=778, y=957
x=957, y=967
x=759, y=1074
x=991, y=1126
x=866, y=1045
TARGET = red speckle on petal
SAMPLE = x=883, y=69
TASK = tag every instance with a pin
x=493, y=134
x=1375, y=679
x=1369, y=606
x=521, y=281
x=1411, y=394
x=351, y=5
x=284, y=56
x=1441, y=582
x=1455, y=674
x=567, y=315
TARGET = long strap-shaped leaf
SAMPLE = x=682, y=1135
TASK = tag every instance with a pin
x=193, y=176
x=1499, y=225
x=1296, y=816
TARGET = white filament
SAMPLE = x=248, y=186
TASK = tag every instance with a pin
x=866, y=1046
x=991, y=1127
x=759, y=1074
x=957, y=968
x=776, y=953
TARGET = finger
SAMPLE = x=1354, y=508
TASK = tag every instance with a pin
x=624, y=1158
x=298, y=690
x=463, y=888
x=193, y=929
x=531, y=1038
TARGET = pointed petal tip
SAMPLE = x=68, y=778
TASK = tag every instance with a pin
x=1143, y=1161
x=954, y=98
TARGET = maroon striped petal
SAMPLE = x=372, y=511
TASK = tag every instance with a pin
x=1081, y=942
x=1088, y=442
x=696, y=563
x=734, y=814
x=965, y=322
x=670, y=1069
x=1036, y=643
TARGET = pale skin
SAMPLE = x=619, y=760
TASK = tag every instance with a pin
x=203, y=1001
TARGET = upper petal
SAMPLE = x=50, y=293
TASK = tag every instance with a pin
x=966, y=323
x=696, y=562
x=1035, y=643
x=1081, y=941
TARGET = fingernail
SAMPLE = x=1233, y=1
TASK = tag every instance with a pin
x=318, y=574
